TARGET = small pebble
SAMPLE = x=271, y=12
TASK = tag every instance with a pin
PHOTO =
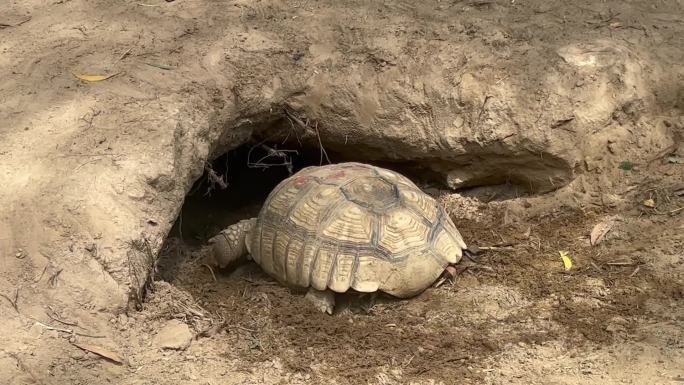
x=174, y=335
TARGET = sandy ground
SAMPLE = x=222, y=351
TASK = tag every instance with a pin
x=578, y=102
x=514, y=316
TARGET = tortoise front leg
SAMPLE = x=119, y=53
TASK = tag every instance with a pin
x=232, y=243
x=323, y=300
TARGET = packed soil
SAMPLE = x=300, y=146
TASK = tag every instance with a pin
x=514, y=314
x=98, y=187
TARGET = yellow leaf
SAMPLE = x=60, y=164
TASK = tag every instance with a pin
x=567, y=262
x=94, y=78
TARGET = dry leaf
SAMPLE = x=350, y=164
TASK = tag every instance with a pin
x=649, y=203
x=600, y=230
x=100, y=352
x=94, y=78
x=567, y=262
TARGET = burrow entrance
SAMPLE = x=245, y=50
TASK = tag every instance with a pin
x=235, y=185
x=270, y=321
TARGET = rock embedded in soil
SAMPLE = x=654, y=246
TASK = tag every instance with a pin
x=173, y=335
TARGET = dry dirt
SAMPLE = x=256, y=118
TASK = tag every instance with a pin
x=515, y=316
x=549, y=116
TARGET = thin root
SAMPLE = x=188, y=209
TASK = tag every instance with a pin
x=211, y=271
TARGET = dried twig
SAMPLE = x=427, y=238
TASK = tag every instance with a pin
x=48, y=327
x=271, y=153
x=255, y=282
x=294, y=118
x=210, y=270
x=69, y=331
x=193, y=311
x=320, y=144
x=439, y=282
x=482, y=109
x=242, y=328
x=305, y=126
x=53, y=278
x=55, y=318
x=495, y=248
x=620, y=263
x=14, y=301
x=125, y=54
x=214, y=179
x=604, y=21
x=479, y=266
x=41, y=274
x=5, y=25
x=90, y=117
x=23, y=21
x=293, y=129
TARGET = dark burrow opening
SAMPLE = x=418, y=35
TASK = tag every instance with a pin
x=235, y=185
x=232, y=187
x=239, y=295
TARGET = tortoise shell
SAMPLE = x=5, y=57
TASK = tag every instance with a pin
x=353, y=225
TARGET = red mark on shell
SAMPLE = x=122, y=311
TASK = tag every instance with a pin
x=336, y=175
x=300, y=180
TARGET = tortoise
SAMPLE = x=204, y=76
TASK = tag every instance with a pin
x=346, y=227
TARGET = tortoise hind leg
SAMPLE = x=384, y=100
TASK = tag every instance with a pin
x=323, y=300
